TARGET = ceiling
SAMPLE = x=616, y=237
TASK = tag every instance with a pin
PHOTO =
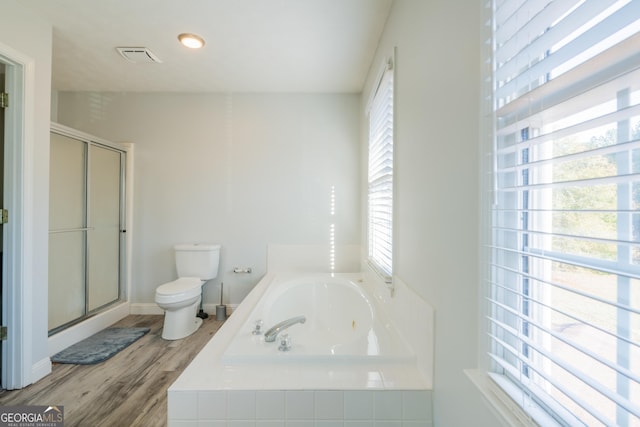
x=316, y=46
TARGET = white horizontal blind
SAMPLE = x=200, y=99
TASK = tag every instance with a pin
x=380, y=177
x=564, y=301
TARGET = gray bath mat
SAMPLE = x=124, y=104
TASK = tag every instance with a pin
x=99, y=347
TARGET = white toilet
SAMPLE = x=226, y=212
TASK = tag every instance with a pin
x=180, y=299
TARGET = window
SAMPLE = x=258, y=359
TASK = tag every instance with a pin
x=563, y=297
x=380, y=175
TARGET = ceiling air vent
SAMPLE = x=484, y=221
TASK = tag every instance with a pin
x=138, y=54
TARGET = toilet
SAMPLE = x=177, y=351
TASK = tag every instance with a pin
x=180, y=299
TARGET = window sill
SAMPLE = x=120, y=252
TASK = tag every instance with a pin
x=502, y=403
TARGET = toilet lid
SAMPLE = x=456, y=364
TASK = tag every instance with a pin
x=185, y=286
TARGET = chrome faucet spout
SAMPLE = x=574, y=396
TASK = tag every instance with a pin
x=271, y=334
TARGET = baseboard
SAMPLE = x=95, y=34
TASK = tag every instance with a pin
x=152, y=308
x=211, y=308
x=40, y=369
x=85, y=329
x=76, y=333
x=146, y=308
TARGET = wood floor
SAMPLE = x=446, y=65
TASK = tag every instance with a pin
x=130, y=389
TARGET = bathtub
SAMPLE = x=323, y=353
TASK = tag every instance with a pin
x=343, y=324
x=347, y=361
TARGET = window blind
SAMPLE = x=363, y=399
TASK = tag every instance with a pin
x=380, y=176
x=563, y=297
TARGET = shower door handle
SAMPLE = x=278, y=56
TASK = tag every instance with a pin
x=67, y=230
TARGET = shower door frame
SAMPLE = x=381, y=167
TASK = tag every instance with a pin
x=123, y=150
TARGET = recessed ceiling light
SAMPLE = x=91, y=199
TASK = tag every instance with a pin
x=191, y=41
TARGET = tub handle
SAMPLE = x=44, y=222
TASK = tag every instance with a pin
x=285, y=342
x=257, y=327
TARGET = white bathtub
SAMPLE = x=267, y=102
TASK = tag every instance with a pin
x=347, y=362
x=343, y=324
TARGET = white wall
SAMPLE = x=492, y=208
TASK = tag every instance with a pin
x=29, y=37
x=241, y=170
x=259, y=170
x=436, y=222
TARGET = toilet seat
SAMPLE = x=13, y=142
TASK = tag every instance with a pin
x=181, y=289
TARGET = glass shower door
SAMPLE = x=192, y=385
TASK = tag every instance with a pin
x=68, y=229
x=104, y=235
x=85, y=239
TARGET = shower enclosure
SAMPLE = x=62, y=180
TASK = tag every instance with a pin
x=86, y=226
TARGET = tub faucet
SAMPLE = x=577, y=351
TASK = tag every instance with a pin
x=271, y=334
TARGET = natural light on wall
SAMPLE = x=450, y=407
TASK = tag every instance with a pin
x=332, y=231
x=563, y=245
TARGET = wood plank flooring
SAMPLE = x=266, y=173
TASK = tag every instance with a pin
x=128, y=390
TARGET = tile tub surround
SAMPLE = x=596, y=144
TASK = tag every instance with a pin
x=301, y=408
x=212, y=392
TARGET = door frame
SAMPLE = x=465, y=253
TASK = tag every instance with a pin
x=17, y=280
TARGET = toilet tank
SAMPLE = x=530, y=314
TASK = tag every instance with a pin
x=197, y=260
